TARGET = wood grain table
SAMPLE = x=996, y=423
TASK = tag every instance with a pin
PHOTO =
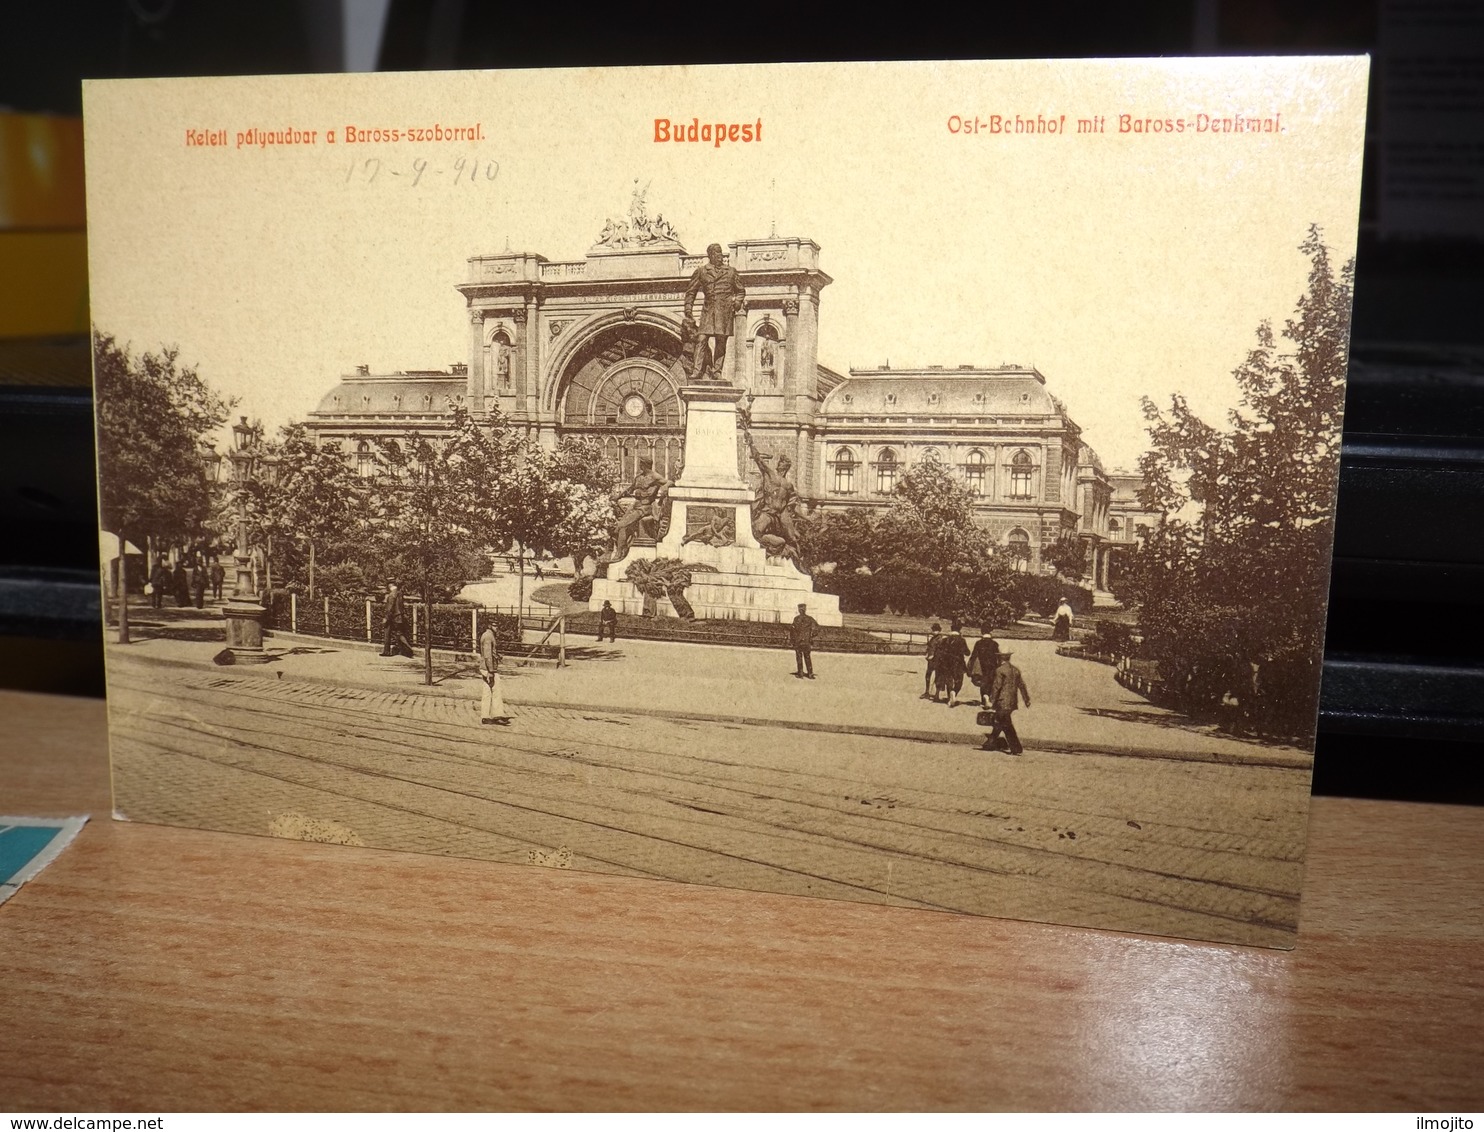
x=160, y=969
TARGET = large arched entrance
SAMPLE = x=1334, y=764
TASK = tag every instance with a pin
x=619, y=388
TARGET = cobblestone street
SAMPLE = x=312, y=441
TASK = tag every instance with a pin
x=1142, y=838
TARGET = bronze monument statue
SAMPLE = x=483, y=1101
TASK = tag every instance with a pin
x=724, y=298
x=641, y=519
x=773, y=512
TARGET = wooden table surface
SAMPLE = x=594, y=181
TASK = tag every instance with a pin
x=161, y=969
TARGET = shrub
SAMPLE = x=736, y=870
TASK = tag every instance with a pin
x=858, y=593
x=1042, y=595
x=580, y=589
x=1112, y=638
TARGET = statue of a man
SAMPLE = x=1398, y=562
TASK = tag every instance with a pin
x=724, y=297
x=640, y=518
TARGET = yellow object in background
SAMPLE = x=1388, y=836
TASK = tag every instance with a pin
x=43, y=284
x=41, y=181
x=43, y=240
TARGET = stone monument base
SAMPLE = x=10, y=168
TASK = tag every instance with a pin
x=747, y=586
x=712, y=506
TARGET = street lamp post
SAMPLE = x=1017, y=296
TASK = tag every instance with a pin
x=243, y=612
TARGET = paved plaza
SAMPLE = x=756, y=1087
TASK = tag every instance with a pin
x=715, y=765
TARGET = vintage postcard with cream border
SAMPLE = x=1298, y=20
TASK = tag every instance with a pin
x=905, y=483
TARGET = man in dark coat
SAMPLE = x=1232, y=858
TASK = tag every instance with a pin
x=198, y=585
x=218, y=576
x=984, y=661
x=181, y=583
x=953, y=650
x=608, y=621
x=1004, y=695
x=394, y=617
x=724, y=297
x=159, y=582
x=801, y=632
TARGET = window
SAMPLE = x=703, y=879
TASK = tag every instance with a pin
x=1018, y=547
x=974, y=469
x=886, y=472
x=845, y=464
x=365, y=461
x=1115, y=528
x=1021, y=470
x=930, y=456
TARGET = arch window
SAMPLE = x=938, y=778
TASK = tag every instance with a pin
x=1022, y=472
x=888, y=469
x=845, y=465
x=1018, y=547
x=1115, y=528
x=975, y=467
x=365, y=460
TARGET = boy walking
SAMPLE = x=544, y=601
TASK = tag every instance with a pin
x=1004, y=694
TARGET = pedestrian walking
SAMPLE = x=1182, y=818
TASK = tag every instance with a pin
x=953, y=650
x=932, y=660
x=180, y=583
x=1062, y=630
x=198, y=586
x=802, y=633
x=491, y=703
x=1004, y=694
x=159, y=582
x=984, y=660
x=608, y=622
x=218, y=576
x=394, y=618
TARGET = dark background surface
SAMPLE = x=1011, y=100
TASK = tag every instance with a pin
x=1403, y=710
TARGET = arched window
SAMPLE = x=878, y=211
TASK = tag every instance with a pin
x=365, y=460
x=887, y=469
x=1022, y=469
x=845, y=464
x=1018, y=547
x=974, y=469
x=1115, y=528
x=930, y=456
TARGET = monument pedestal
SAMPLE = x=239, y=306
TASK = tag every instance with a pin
x=712, y=504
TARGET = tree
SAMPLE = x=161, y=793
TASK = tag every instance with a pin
x=1237, y=572
x=557, y=502
x=154, y=416
x=1068, y=556
x=315, y=497
x=431, y=509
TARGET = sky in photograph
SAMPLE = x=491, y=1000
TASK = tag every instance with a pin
x=1120, y=264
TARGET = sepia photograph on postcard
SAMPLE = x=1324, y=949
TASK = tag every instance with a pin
x=903, y=483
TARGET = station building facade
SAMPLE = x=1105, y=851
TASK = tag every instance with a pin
x=592, y=348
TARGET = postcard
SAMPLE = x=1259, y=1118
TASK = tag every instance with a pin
x=903, y=483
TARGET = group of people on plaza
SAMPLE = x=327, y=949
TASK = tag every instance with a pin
x=187, y=585
x=988, y=667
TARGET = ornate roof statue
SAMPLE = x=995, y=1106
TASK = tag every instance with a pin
x=640, y=231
